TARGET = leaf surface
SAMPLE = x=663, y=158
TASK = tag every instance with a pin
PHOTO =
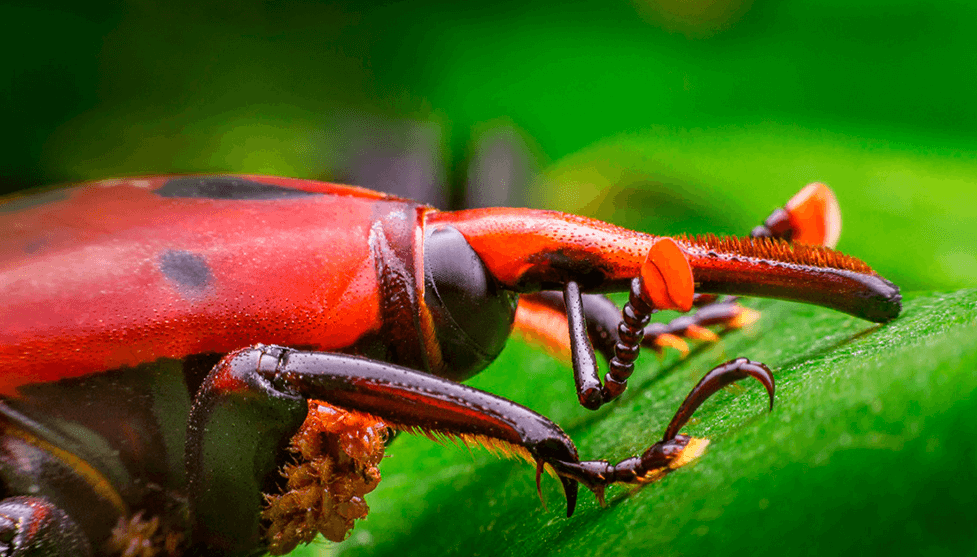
x=870, y=447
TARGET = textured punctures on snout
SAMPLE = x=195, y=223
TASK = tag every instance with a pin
x=528, y=250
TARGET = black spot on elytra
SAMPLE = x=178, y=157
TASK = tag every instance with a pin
x=35, y=246
x=226, y=187
x=188, y=270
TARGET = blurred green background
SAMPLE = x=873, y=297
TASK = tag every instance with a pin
x=661, y=115
x=666, y=115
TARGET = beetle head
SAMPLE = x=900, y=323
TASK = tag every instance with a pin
x=472, y=313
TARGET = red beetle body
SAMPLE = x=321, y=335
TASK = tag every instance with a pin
x=121, y=299
x=121, y=273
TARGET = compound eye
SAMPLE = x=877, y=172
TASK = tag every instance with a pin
x=472, y=314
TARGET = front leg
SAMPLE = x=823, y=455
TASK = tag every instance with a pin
x=664, y=282
x=674, y=450
x=563, y=323
x=280, y=381
x=237, y=438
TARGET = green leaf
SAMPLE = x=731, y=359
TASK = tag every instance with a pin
x=870, y=447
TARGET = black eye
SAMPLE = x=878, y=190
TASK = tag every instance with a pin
x=472, y=315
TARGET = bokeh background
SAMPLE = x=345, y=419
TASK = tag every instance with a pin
x=662, y=115
x=666, y=115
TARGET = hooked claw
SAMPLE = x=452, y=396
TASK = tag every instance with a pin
x=570, y=486
x=673, y=451
x=719, y=377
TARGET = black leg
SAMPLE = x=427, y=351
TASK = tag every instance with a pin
x=674, y=450
x=415, y=401
x=601, y=318
x=585, y=371
x=594, y=321
x=237, y=439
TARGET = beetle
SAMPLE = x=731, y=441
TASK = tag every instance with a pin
x=209, y=364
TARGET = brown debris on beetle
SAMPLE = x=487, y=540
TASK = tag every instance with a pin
x=144, y=537
x=337, y=453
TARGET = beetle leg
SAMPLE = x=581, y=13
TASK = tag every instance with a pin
x=674, y=450
x=415, y=401
x=810, y=216
x=269, y=467
x=36, y=527
x=542, y=317
x=238, y=427
x=726, y=314
x=585, y=371
x=664, y=281
x=273, y=380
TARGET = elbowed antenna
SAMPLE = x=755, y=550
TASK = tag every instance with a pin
x=812, y=216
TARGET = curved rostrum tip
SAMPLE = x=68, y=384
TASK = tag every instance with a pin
x=885, y=301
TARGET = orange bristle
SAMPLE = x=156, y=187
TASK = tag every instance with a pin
x=497, y=447
x=745, y=317
x=666, y=340
x=774, y=250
